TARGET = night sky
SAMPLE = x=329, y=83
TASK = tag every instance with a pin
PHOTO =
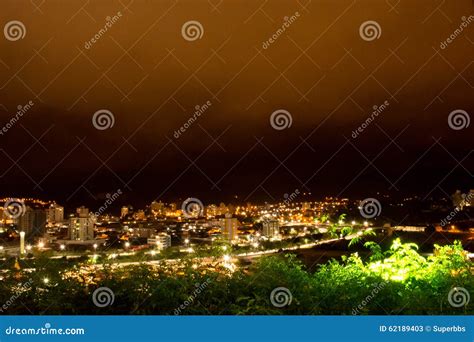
x=320, y=70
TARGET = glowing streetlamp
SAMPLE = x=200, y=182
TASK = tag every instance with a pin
x=127, y=244
x=62, y=247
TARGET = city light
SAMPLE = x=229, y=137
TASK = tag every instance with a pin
x=62, y=247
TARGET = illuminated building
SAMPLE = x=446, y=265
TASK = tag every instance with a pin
x=33, y=223
x=157, y=207
x=229, y=227
x=81, y=227
x=271, y=228
x=55, y=213
x=161, y=241
x=124, y=212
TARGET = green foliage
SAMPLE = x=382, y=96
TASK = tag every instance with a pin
x=396, y=281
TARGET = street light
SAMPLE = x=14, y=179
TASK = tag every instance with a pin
x=95, y=246
x=127, y=244
x=41, y=245
x=62, y=247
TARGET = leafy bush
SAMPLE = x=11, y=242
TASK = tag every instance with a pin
x=396, y=281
